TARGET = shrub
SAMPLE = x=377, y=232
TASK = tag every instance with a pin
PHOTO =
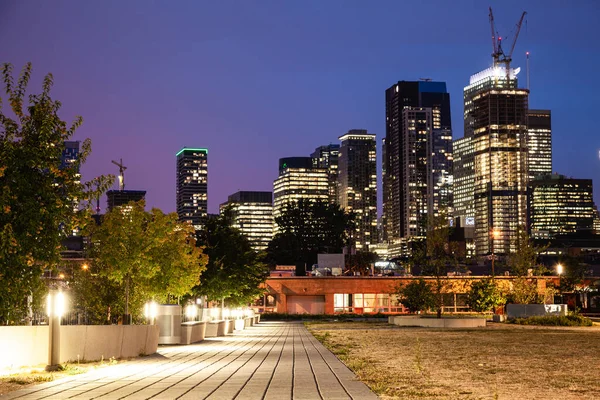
x=485, y=296
x=417, y=296
x=553, y=320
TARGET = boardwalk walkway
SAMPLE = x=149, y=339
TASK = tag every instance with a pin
x=272, y=360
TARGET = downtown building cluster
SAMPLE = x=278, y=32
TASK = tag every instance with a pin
x=490, y=184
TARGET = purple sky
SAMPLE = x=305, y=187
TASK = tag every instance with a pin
x=254, y=81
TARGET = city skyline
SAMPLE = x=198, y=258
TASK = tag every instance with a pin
x=107, y=75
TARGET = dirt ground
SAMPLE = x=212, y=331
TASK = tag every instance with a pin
x=498, y=362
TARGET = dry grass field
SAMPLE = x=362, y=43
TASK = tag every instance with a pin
x=498, y=362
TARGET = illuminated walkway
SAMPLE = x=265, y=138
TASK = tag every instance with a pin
x=272, y=360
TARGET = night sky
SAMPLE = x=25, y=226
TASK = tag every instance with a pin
x=254, y=81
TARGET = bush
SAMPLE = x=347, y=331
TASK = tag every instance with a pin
x=485, y=296
x=553, y=320
x=417, y=296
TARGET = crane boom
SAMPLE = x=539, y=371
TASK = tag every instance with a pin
x=122, y=169
x=494, y=43
x=512, y=48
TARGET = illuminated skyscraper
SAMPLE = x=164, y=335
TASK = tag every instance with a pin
x=252, y=214
x=69, y=154
x=327, y=157
x=298, y=179
x=559, y=205
x=192, y=185
x=496, y=118
x=539, y=143
x=417, y=161
x=357, y=188
x=464, y=180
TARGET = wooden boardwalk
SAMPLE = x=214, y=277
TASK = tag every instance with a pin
x=272, y=360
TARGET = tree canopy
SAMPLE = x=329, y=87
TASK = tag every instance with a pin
x=234, y=272
x=37, y=194
x=149, y=255
x=417, y=296
x=307, y=228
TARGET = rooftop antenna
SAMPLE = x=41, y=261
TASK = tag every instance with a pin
x=527, y=54
x=122, y=169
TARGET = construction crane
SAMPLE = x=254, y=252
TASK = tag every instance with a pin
x=122, y=169
x=499, y=56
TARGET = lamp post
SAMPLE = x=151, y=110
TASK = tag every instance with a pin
x=150, y=312
x=495, y=233
x=55, y=307
x=559, y=271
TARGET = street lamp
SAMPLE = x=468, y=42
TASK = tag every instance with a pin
x=150, y=312
x=495, y=233
x=55, y=308
x=559, y=271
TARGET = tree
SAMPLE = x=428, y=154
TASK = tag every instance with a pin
x=307, y=228
x=147, y=254
x=485, y=296
x=417, y=296
x=360, y=262
x=575, y=271
x=37, y=194
x=524, y=259
x=234, y=272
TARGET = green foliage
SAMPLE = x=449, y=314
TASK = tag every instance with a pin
x=307, y=228
x=360, y=262
x=553, y=320
x=37, y=196
x=417, y=296
x=526, y=256
x=575, y=271
x=148, y=255
x=485, y=296
x=234, y=272
x=525, y=291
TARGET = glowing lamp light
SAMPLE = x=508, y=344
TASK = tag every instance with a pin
x=559, y=269
x=84, y=267
x=55, y=304
x=150, y=310
x=226, y=313
x=191, y=311
x=214, y=313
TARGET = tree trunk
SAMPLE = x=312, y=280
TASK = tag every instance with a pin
x=127, y=295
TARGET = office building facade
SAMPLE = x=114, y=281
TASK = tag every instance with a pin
x=327, y=157
x=560, y=205
x=496, y=118
x=119, y=198
x=252, y=214
x=539, y=143
x=357, y=184
x=464, y=180
x=298, y=179
x=192, y=185
x=418, y=152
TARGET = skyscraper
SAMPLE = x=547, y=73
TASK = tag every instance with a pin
x=496, y=119
x=417, y=154
x=327, y=157
x=464, y=180
x=357, y=188
x=69, y=154
x=192, y=185
x=539, y=143
x=298, y=179
x=118, y=198
x=559, y=205
x=252, y=214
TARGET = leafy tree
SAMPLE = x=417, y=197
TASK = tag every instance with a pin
x=575, y=271
x=417, y=296
x=526, y=256
x=485, y=296
x=360, y=262
x=234, y=272
x=307, y=228
x=147, y=254
x=37, y=195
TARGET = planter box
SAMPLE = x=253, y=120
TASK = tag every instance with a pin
x=535, y=310
x=439, y=322
x=248, y=322
x=239, y=324
x=193, y=332
x=230, y=326
x=256, y=319
x=215, y=328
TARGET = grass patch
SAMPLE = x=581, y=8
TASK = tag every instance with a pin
x=553, y=320
x=501, y=361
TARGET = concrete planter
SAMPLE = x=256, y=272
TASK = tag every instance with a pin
x=193, y=332
x=215, y=328
x=535, y=310
x=438, y=322
x=256, y=319
x=248, y=322
x=230, y=326
x=239, y=324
